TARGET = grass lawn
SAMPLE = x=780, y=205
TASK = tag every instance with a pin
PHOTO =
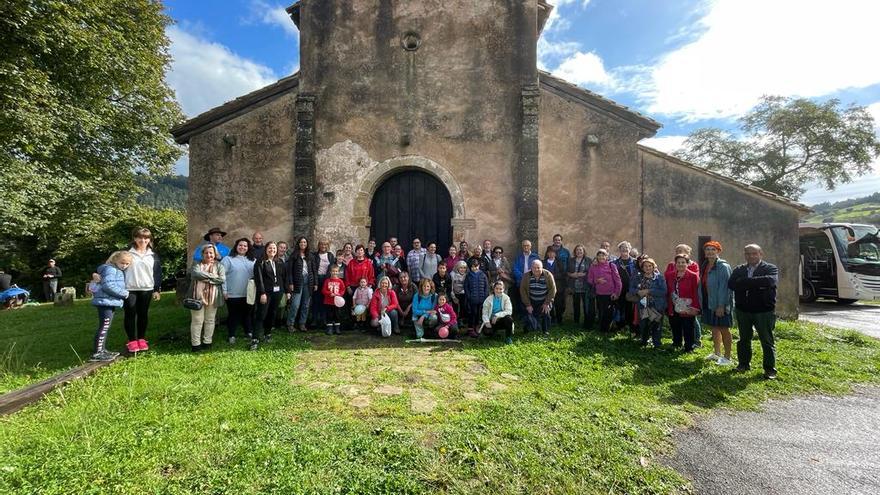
x=575, y=413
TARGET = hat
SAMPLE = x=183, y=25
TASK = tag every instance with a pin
x=714, y=244
x=215, y=230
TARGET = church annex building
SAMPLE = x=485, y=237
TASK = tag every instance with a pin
x=431, y=119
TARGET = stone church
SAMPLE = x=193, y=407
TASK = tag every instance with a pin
x=430, y=118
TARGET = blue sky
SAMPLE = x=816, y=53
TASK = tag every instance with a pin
x=686, y=63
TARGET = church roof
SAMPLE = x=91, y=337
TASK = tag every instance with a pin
x=590, y=99
x=232, y=109
x=741, y=185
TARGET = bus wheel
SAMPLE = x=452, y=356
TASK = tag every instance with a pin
x=846, y=301
x=809, y=294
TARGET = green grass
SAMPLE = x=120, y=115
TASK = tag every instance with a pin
x=576, y=413
x=862, y=213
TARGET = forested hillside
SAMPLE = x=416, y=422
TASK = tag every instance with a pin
x=165, y=192
x=858, y=210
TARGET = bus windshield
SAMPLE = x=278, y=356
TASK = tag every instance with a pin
x=857, y=244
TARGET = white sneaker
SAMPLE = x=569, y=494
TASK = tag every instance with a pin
x=724, y=362
x=713, y=357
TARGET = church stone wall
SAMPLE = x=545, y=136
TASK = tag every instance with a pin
x=682, y=204
x=241, y=175
x=454, y=101
x=589, y=192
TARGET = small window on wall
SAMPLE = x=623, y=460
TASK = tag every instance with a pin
x=701, y=254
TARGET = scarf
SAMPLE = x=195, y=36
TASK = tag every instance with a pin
x=205, y=290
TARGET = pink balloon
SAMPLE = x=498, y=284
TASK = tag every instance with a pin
x=443, y=332
x=339, y=301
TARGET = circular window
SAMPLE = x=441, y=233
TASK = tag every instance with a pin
x=411, y=41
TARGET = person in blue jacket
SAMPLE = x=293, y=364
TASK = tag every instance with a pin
x=109, y=294
x=648, y=290
x=521, y=265
x=424, y=316
x=476, y=290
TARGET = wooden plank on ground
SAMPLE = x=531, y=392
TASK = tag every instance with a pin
x=17, y=399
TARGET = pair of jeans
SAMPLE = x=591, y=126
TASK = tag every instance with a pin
x=559, y=303
x=542, y=319
x=764, y=323
x=583, y=300
x=239, y=313
x=474, y=313
x=394, y=316
x=682, y=328
x=299, y=303
x=137, y=308
x=429, y=322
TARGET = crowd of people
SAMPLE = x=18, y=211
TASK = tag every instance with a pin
x=472, y=291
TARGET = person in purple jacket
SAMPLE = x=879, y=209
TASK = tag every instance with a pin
x=605, y=278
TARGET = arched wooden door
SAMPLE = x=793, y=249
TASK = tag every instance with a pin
x=412, y=204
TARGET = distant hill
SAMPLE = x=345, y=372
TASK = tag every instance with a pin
x=165, y=192
x=859, y=210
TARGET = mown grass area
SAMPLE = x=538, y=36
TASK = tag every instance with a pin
x=573, y=413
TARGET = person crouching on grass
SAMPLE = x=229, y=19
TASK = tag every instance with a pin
x=447, y=317
x=109, y=294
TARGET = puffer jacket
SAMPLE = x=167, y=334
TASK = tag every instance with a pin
x=476, y=286
x=111, y=290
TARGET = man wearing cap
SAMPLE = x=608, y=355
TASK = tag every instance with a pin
x=51, y=274
x=214, y=236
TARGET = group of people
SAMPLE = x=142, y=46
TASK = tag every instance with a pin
x=472, y=291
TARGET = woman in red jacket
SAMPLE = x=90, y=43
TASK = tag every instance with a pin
x=384, y=302
x=682, y=286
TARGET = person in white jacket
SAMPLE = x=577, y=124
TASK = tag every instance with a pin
x=498, y=312
x=143, y=280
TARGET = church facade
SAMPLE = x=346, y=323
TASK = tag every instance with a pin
x=431, y=119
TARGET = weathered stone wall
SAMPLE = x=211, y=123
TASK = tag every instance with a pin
x=241, y=174
x=589, y=193
x=682, y=204
x=455, y=101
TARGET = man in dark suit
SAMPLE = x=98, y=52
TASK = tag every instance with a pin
x=754, y=286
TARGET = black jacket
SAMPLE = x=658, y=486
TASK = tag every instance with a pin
x=560, y=274
x=315, y=262
x=264, y=280
x=294, y=271
x=755, y=294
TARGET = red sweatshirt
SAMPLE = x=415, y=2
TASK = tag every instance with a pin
x=376, y=303
x=688, y=287
x=356, y=270
x=332, y=287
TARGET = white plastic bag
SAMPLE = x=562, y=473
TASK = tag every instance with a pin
x=385, y=325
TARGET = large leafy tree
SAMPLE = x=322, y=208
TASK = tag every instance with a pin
x=84, y=111
x=787, y=142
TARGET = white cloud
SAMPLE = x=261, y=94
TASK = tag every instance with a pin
x=274, y=15
x=874, y=110
x=750, y=48
x=206, y=74
x=666, y=144
x=584, y=68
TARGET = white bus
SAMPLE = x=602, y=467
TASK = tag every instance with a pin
x=839, y=261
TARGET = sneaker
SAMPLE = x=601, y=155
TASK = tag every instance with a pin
x=232, y=340
x=770, y=375
x=133, y=346
x=291, y=328
x=268, y=338
x=255, y=344
x=712, y=357
x=142, y=345
x=337, y=329
x=103, y=357
x=508, y=340
x=723, y=361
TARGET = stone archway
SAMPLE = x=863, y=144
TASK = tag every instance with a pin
x=378, y=174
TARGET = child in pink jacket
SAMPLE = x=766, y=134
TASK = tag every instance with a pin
x=605, y=279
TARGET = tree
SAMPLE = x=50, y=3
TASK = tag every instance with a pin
x=786, y=142
x=84, y=111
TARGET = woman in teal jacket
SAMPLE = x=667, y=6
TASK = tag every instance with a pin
x=717, y=301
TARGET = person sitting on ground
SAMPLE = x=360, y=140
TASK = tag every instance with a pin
x=447, y=316
x=109, y=295
x=497, y=313
x=605, y=278
x=384, y=303
x=424, y=316
x=476, y=289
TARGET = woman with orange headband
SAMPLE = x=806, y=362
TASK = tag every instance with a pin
x=717, y=301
